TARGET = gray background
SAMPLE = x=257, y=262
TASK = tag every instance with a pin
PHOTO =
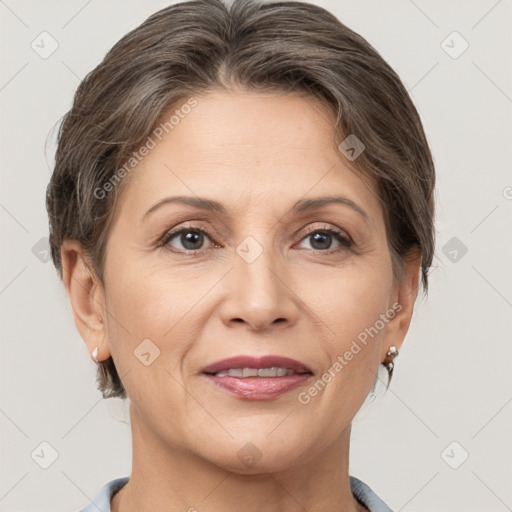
x=453, y=378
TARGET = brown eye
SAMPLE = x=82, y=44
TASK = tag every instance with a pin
x=188, y=238
x=323, y=239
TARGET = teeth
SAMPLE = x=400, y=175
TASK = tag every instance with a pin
x=267, y=372
x=256, y=372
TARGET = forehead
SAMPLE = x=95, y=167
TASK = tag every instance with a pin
x=244, y=148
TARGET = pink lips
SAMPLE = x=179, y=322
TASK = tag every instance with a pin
x=256, y=362
x=258, y=388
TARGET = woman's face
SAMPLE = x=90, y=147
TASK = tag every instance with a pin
x=258, y=275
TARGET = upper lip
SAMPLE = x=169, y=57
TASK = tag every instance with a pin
x=257, y=362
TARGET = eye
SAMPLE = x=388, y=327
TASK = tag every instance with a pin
x=190, y=238
x=322, y=239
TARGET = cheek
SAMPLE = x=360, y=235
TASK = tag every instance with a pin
x=146, y=307
x=353, y=314
x=151, y=329
x=159, y=311
x=353, y=299
x=149, y=300
x=352, y=345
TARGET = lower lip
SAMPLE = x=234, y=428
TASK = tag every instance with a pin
x=259, y=388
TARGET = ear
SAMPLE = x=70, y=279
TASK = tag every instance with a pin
x=87, y=297
x=403, y=298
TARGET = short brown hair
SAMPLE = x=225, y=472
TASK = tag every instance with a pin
x=195, y=46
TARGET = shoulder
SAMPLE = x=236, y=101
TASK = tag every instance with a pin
x=366, y=496
x=101, y=502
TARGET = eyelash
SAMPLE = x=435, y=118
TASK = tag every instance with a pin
x=343, y=239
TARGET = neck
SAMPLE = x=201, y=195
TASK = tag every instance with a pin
x=172, y=478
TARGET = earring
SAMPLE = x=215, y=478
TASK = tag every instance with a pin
x=94, y=354
x=388, y=362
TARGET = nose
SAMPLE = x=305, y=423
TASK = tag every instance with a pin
x=260, y=294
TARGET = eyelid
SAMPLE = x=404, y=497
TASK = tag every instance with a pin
x=330, y=229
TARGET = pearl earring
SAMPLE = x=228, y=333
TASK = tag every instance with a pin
x=388, y=362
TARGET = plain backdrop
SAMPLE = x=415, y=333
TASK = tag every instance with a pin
x=440, y=438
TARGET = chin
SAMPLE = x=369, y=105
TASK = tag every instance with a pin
x=262, y=454
x=268, y=463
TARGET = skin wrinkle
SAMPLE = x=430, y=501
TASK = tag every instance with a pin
x=257, y=154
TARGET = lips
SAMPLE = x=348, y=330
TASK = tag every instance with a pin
x=257, y=378
x=257, y=363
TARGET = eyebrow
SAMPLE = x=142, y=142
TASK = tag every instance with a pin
x=300, y=206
